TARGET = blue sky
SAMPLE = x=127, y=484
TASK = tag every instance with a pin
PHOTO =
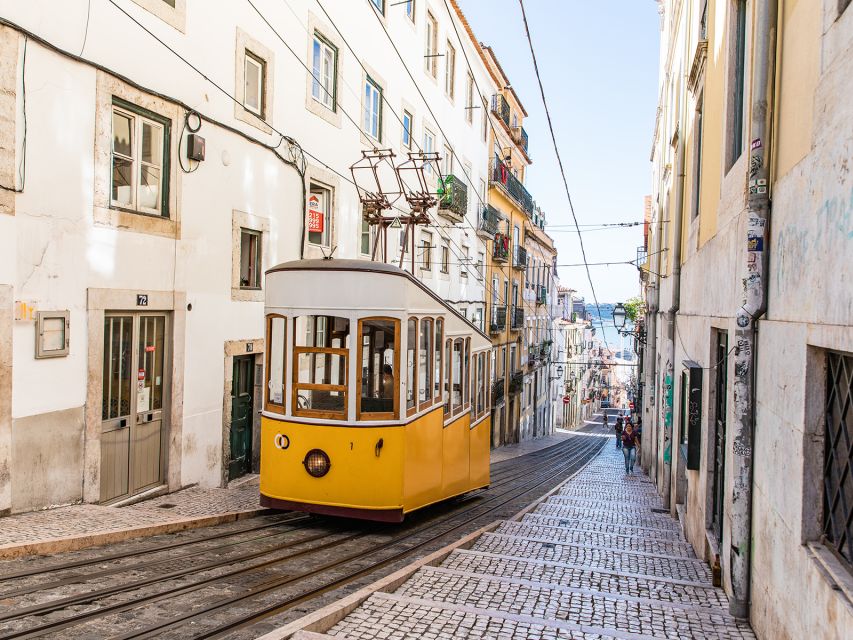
x=598, y=62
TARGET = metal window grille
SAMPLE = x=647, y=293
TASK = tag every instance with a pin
x=838, y=456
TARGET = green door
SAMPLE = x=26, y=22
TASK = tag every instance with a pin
x=241, y=417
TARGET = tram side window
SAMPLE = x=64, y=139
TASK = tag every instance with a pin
x=448, y=358
x=466, y=375
x=411, y=346
x=425, y=363
x=276, y=339
x=439, y=340
x=321, y=348
x=481, y=384
x=458, y=382
x=378, y=362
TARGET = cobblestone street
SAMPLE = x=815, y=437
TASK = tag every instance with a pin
x=593, y=561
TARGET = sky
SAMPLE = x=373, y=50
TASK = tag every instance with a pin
x=598, y=62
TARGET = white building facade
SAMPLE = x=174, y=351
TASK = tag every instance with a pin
x=146, y=194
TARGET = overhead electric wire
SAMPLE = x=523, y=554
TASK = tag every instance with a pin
x=559, y=159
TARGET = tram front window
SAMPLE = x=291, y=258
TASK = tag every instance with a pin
x=379, y=364
x=321, y=345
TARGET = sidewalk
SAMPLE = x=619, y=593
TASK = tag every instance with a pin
x=592, y=561
x=86, y=525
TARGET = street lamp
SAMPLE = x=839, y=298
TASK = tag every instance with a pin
x=560, y=371
x=619, y=317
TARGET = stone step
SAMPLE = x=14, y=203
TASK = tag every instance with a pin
x=590, y=524
x=640, y=504
x=597, y=538
x=627, y=517
x=597, y=557
x=609, y=611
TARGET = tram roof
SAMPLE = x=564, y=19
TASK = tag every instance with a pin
x=368, y=266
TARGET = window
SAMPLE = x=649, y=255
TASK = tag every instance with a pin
x=379, y=391
x=410, y=10
x=481, y=261
x=321, y=349
x=431, y=55
x=276, y=347
x=447, y=168
x=411, y=366
x=445, y=259
x=380, y=5
x=324, y=62
x=250, y=259
x=425, y=366
x=140, y=160
x=254, y=78
x=426, y=250
x=407, y=129
x=457, y=382
x=838, y=463
x=466, y=375
x=365, y=238
x=53, y=336
x=737, y=95
x=450, y=71
x=437, y=361
x=485, y=113
x=463, y=268
x=697, y=156
x=469, y=99
x=319, y=218
x=448, y=356
x=429, y=147
x=372, y=121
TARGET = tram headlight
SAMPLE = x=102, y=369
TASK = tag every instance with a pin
x=317, y=463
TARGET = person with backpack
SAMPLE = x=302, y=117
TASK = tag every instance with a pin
x=618, y=429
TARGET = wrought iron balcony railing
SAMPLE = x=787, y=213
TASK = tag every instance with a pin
x=497, y=322
x=501, y=175
x=519, y=257
x=541, y=295
x=490, y=221
x=498, y=390
x=520, y=137
x=500, y=107
x=453, y=198
x=516, y=382
x=545, y=349
x=500, y=248
x=517, y=318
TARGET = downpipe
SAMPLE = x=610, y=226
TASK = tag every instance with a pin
x=755, y=278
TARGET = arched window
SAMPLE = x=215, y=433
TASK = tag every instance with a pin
x=411, y=365
x=425, y=366
x=379, y=365
x=275, y=362
x=437, y=360
x=458, y=382
x=448, y=358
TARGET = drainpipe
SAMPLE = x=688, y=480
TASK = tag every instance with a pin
x=671, y=320
x=755, y=278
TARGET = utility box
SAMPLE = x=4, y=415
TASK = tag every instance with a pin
x=195, y=147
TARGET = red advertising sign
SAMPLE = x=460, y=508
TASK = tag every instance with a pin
x=565, y=399
x=316, y=217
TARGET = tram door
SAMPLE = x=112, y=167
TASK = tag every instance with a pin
x=134, y=397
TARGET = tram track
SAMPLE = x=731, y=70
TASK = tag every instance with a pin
x=534, y=470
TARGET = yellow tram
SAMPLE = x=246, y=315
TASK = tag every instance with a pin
x=376, y=400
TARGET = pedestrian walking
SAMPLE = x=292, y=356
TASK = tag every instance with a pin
x=618, y=429
x=629, y=448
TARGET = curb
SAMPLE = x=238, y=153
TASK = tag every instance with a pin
x=313, y=625
x=75, y=543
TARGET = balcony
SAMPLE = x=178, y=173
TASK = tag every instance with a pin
x=501, y=175
x=519, y=257
x=517, y=318
x=519, y=135
x=453, y=198
x=500, y=107
x=500, y=248
x=541, y=295
x=498, y=389
x=545, y=349
x=516, y=382
x=532, y=354
x=489, y=223
x=497, y=322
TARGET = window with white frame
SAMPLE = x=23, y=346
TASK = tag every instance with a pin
x=426, y=250
x=428, y=147
x=407, y=129
x=364, y=246
x=410, y=10
x=254, y=84
x=431, y=55
x=324, y=63
x=469, y=99
x=140, y=147
x=445, y=259
x=450, y=71
x=320, y=216
x=481, y=261
x=380, y=5
x=372, y=120
x=447, y=164
x=250, y=259
x=463, y=268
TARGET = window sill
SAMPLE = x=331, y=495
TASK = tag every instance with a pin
x=837, y=575
x=239, y=294
x=136, y=221
x=332, y=116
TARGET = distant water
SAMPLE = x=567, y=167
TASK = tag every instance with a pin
x=611, y=336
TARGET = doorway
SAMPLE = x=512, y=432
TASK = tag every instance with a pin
x=135, y=393
x=242, y=402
